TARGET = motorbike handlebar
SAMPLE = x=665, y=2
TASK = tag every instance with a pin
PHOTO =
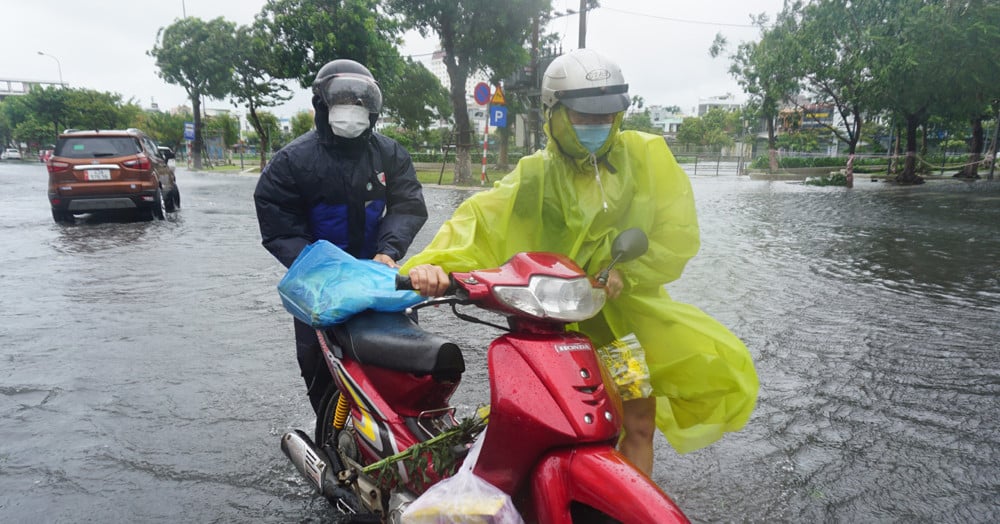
x=403, y=283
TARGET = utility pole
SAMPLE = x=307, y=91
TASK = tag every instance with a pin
x=536, y=89
x=583, y=24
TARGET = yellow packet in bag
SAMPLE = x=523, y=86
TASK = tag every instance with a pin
x=626, y=361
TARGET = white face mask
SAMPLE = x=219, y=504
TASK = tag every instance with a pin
x=348, y=121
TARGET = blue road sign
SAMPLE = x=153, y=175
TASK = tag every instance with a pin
x=498, y=116
x=482, y=93
x=188, y=130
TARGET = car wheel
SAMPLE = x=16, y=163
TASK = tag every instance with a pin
x=173, y=200
x=62, y=217
x=158, y=208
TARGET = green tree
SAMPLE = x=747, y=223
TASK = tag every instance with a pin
x=640, y=121
x=47, y=105
x=34, y=133
x=475, y=35
x=764, y=71
x=13, y=111
x=255, y=82
x=420, y=100
x=165, y=128
x=910, y=68
x=306, y=34
x=714, y=129
x=975, y=52
x=198, y=56
x=302, y=123
x=309, y=33
x=90, y=109
x=225, y=126
x=832, y=52
x=272, y=126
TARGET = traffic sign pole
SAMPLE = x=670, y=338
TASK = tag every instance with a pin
x=486, y=135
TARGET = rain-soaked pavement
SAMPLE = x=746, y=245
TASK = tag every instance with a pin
x=148, y=372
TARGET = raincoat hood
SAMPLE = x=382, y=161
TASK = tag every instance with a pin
x=562, y=137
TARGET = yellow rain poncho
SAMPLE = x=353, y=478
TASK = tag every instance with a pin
x=702, y=375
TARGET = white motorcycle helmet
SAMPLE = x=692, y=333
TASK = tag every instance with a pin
x=586, y=82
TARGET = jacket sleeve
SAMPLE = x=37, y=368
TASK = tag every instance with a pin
x=406, y=211
x=281, y=211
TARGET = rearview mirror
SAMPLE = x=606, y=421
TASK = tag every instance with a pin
x=629, y=245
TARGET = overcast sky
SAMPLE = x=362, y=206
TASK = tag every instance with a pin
x=662, y=45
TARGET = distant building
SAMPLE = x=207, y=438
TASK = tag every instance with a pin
x=806, y=116
x=666, y=118
x=727, y=102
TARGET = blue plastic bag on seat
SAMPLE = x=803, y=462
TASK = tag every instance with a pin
x=326, y=286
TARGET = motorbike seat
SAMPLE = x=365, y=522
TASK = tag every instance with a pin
x=394, y=341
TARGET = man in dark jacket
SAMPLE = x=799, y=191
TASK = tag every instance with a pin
x=340, y=182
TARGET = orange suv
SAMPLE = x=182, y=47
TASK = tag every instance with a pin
x=106, y=170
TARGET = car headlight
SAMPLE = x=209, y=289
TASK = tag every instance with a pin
x=554, y=298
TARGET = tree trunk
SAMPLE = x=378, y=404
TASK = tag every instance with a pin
x=853, y=136
x=772, y=144
x=972, y=169
x=502, y=158
x=196, y=154
x=909, y=174
x=457, y=75
x=265, y=142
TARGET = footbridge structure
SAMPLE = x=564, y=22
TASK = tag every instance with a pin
x=20, y=86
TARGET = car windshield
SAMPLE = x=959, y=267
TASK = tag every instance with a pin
x=97, y=146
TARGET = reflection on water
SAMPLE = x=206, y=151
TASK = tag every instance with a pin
x=872, y=315
x=162, y=349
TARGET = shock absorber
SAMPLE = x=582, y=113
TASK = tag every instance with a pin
x=340, y=417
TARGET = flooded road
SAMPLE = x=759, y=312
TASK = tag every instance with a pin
x=148, y=368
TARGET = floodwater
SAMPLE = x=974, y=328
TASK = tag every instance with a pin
x=148, y=368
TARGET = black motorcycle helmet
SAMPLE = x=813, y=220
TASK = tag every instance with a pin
x=346, y=82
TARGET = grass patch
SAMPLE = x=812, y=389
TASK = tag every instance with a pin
x=431, y=177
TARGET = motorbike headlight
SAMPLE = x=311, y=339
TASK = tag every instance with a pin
x=553, y=298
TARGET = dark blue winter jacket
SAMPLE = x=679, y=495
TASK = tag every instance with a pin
x=361, y=194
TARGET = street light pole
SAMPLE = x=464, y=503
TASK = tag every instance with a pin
x=58, y=65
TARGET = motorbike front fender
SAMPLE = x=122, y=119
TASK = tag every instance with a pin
x=603, y=479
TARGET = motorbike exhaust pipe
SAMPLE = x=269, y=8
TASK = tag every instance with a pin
x=315, y=466
x=308, y=459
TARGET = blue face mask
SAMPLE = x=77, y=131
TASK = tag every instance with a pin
x=592, y=136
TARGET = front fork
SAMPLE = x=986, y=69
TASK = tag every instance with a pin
x=601, y=478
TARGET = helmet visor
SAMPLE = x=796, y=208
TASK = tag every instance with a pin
x=352, y=90
x=595, y=100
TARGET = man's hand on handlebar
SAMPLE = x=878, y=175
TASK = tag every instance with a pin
x=616, y=282
x=429, y=280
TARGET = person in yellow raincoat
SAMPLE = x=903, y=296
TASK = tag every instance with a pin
x=591, y=182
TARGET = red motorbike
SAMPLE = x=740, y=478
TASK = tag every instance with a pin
x=554, y=415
